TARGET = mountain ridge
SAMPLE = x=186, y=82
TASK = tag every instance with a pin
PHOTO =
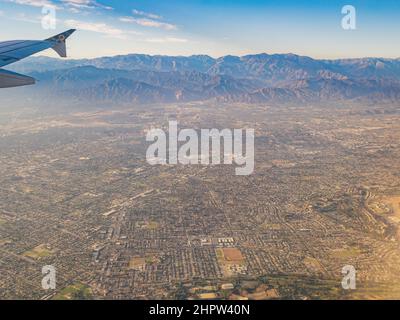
x=259, y=78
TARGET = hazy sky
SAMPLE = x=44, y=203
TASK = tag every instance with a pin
x=108, y=27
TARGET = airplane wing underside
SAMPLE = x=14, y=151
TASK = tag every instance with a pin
x=10, y=79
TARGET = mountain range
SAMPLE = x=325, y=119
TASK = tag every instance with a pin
x=260, y=78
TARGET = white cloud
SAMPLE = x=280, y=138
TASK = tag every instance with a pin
x=167, y=40
x=85, y=4
x=102, y=28
x=34, y=3
x=146, y=14
x=145, y=22
x=24, y=18
x=71, y=4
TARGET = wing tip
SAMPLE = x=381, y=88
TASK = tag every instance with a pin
x=61, y=36
x=59, y=42
x=70, y=31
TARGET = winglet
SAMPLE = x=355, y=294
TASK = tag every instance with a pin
x=59, y=42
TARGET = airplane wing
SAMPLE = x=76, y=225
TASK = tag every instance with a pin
x=10, y=79
x=13, y=51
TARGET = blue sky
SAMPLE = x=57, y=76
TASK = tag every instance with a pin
x=109, y=27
